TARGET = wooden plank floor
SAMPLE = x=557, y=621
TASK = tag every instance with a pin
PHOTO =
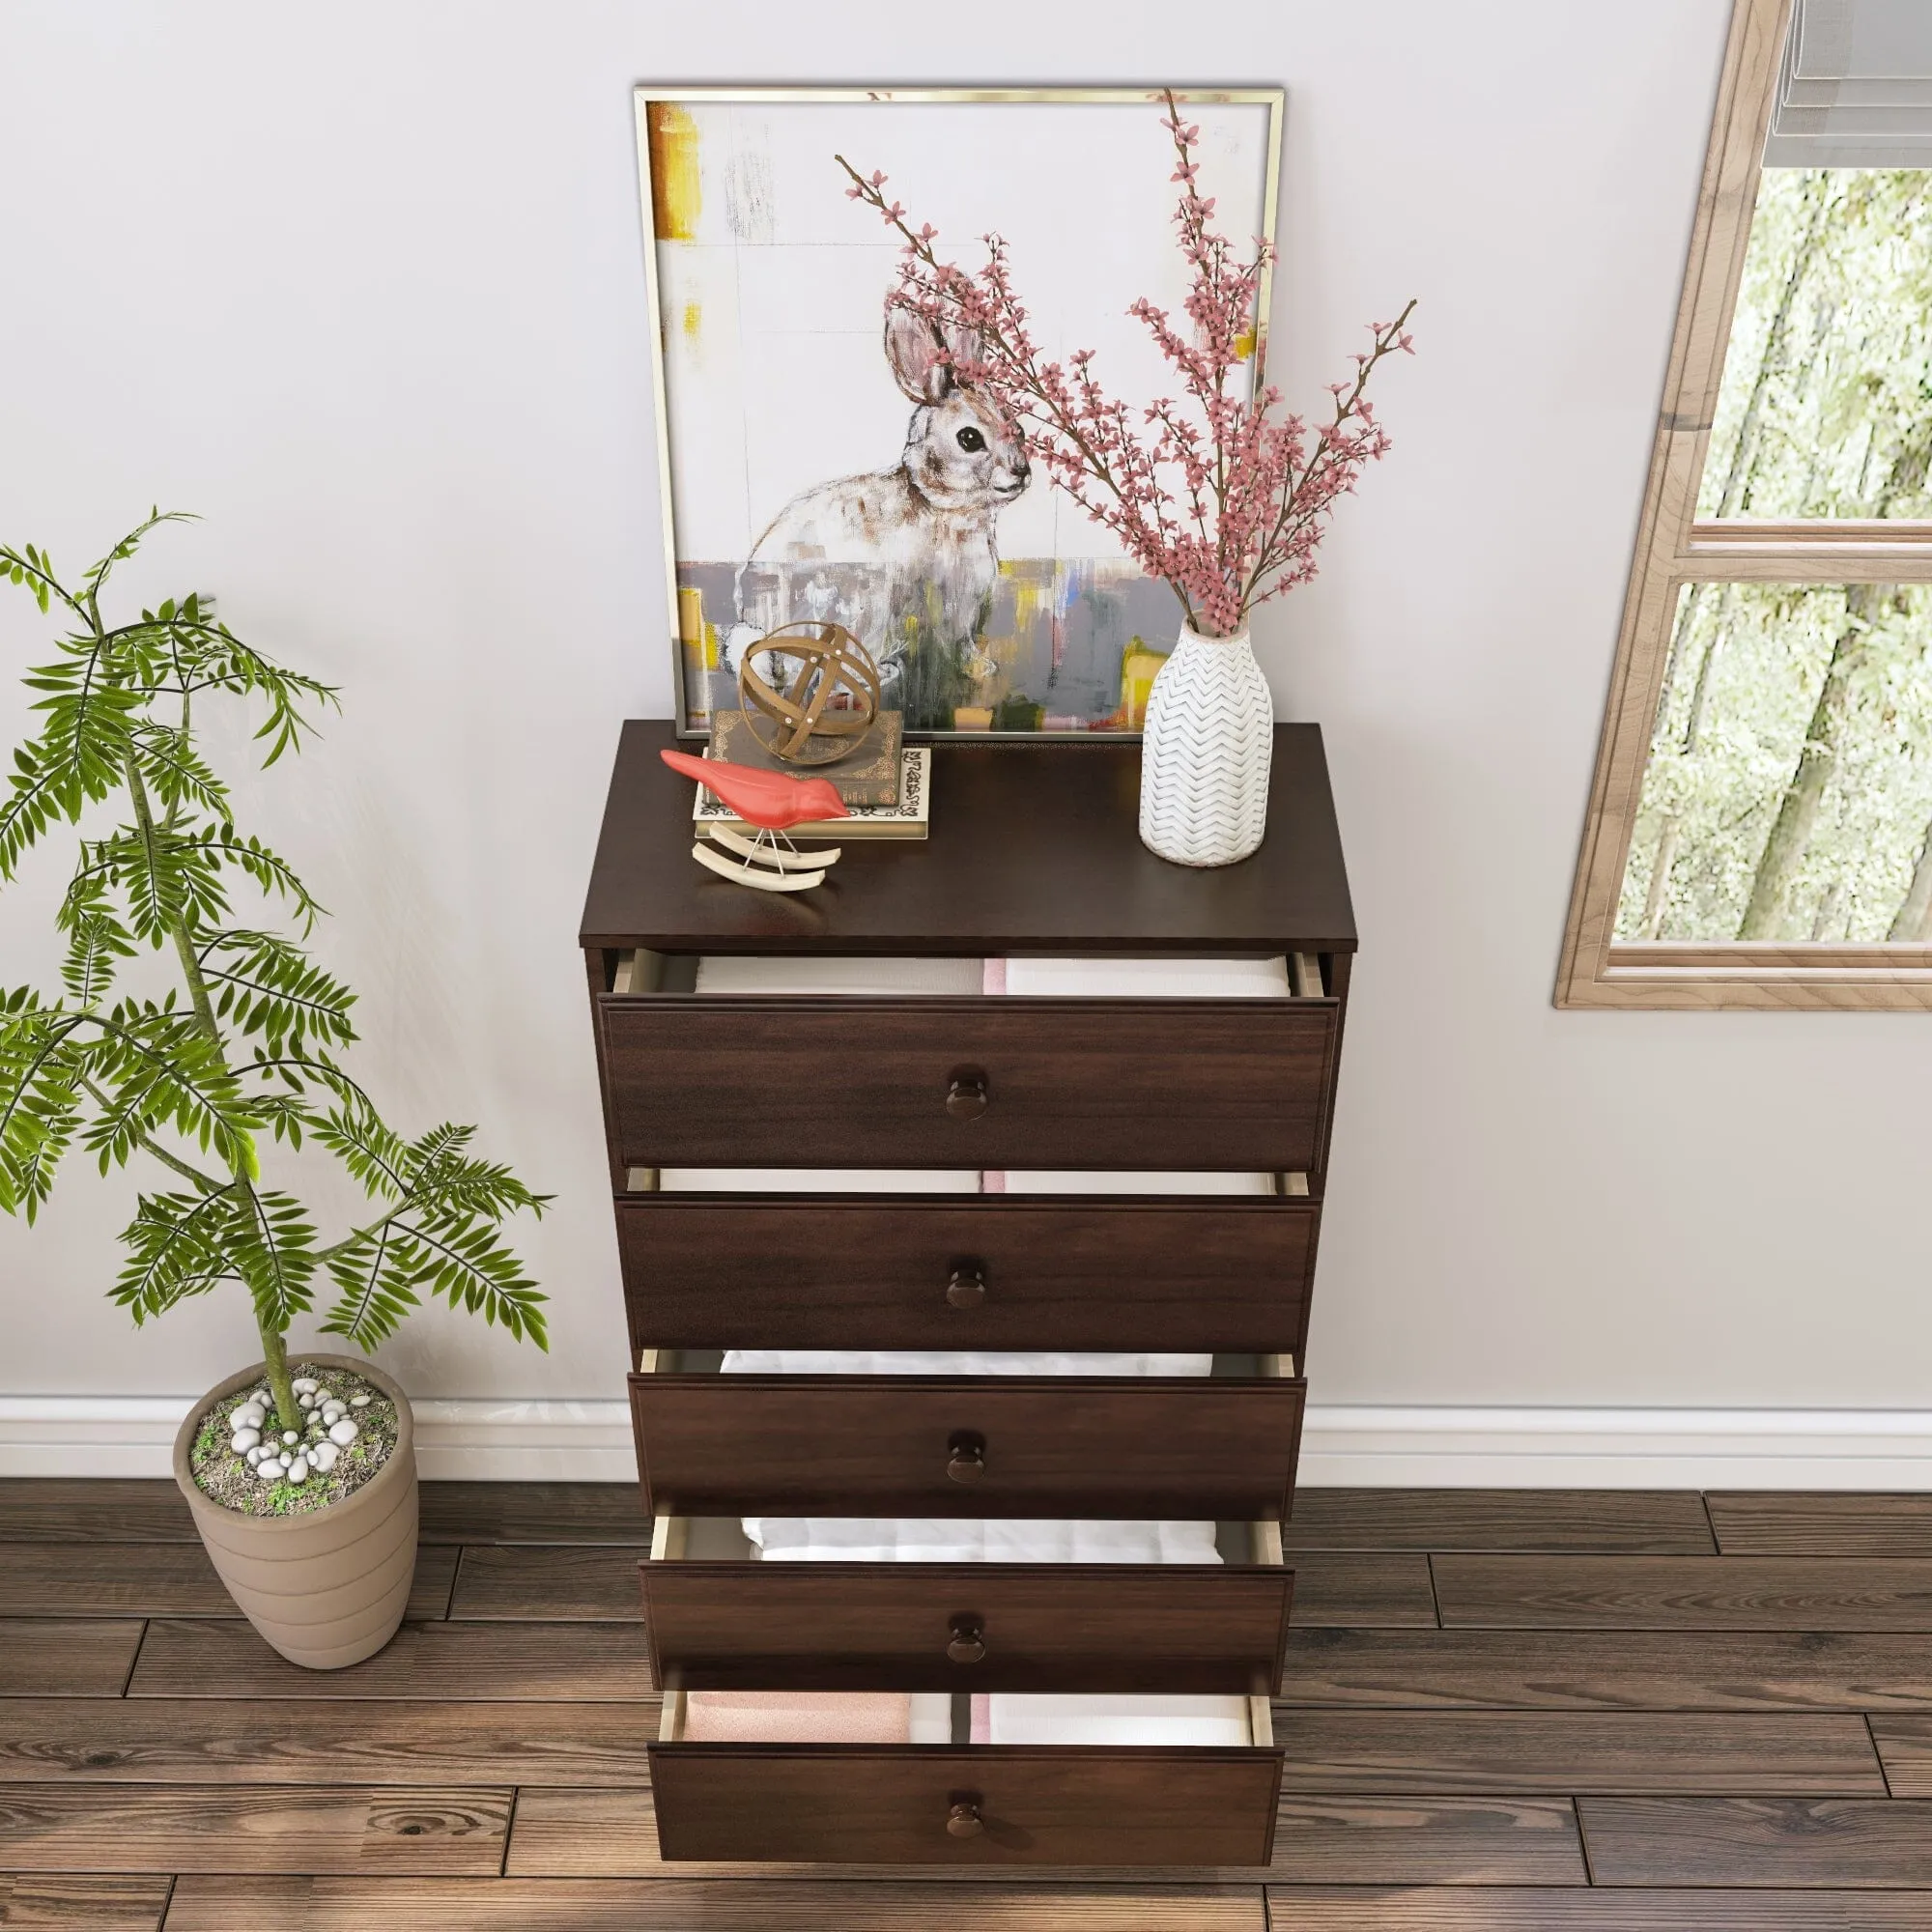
x=1504, y=1712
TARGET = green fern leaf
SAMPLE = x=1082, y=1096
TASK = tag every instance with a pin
x=270, y=1245
x=177, y=1245
x=377, y=1273
x=176, y=773
x=374, y=1153
x=473, y=1269
x=40, y=1098
x=271, y=992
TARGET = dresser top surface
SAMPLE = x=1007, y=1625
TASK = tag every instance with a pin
x=1033, y=848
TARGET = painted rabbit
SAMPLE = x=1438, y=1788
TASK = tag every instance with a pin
x=906, y=558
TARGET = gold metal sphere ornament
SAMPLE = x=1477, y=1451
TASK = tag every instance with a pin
x=820, y=711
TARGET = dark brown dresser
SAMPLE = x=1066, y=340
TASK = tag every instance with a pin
x=1033, y=853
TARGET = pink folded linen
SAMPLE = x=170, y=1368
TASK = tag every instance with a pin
x=798, y=1716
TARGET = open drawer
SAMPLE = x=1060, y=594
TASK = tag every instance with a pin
x=719, y=1620
x=951, y=1081
x=959, y=1803
x=1218, y=1447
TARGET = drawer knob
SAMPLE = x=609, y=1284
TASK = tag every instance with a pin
x=969, y=1641
x=963, y=1820
x=966, y=1096
x=966, y=1284
x=966, y=1457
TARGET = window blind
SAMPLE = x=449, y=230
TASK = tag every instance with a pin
x=1855, y=87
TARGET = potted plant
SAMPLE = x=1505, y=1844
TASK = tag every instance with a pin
x=1221, y=497
x=219, y=1065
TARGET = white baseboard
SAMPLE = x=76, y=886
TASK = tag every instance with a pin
x=1360, y=1446
x=1344, y=1446
x=501, y=1441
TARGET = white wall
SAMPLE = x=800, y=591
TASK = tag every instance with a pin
x=364, y=286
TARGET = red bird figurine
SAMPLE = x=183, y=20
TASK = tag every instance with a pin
x=772, y=802
x=762, y=798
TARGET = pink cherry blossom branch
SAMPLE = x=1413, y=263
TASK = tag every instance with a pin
x=1351, y=438
x=1226, y=500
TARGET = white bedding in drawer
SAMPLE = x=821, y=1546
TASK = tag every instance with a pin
x=819, y=1179
x=1012, y=1719
x=954, y=1362
x=976, y=1540
x=1148, y=979
x=949, y=1180
x=1136, y=1180
x=929, y=1718
x=728, y=974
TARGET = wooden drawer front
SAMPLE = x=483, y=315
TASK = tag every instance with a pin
x=714, y=1082
x=1040, y=1804
x=766, y=1272
x=963, y=1627
x=1218, y=1447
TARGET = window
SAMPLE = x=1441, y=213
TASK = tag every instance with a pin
x=1760, y=826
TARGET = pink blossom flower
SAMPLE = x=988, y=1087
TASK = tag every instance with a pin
x=1224, y=498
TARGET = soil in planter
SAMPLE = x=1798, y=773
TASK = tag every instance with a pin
x=232, y=1478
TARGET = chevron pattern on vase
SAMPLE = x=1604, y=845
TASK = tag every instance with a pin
x=1206, y=749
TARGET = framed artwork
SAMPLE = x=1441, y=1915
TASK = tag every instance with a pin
x=816, y=461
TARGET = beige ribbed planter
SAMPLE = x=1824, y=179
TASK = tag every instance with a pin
x=329, y=1588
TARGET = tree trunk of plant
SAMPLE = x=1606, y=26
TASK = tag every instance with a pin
x=1798, y=809
x=1671, y=833
x=1831, y=909
x=275, y=1347
x=1665, y=857
x=1736, y=492
x=1912, y=923
x=281, y=1384
x=1700, y=692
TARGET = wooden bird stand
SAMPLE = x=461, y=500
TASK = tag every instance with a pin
x=770, y=861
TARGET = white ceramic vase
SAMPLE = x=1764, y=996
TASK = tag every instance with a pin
x=1206, y=749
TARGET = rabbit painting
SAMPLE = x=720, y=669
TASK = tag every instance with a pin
x=906, y=558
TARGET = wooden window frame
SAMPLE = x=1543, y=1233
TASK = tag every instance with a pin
x=1673, y=549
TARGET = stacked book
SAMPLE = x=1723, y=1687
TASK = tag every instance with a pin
x=904, y=815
